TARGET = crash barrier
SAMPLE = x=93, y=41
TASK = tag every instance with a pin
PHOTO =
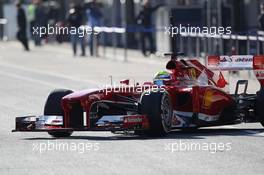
x=3, y=22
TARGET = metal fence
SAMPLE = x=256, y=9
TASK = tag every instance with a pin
x=253, y=44
x=201, y=45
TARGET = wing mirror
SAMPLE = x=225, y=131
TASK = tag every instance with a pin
x=125, y=82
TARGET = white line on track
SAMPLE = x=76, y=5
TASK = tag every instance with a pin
x=28, y=79
x=50, y=74
x=257, y=133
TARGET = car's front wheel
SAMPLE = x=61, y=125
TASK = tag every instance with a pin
x=53, y=107
x=157, y=106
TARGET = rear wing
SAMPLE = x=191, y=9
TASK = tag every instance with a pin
x=238, y=62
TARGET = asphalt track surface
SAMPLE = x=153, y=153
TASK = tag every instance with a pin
x=27, y=78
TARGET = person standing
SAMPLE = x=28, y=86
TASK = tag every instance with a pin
x=145, y=22
x=40, y=19
x=75, y=20
x=261, y=17
x=22, y=26
x=261, y=25
x=94, y=16
x=31, y=17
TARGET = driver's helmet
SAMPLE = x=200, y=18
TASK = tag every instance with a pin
x=160, y=77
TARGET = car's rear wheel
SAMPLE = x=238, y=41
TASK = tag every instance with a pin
x=53, y=107
x=157, y=106
x=260, y=106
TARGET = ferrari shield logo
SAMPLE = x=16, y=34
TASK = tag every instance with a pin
x=207, y=101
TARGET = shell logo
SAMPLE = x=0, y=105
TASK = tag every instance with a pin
x=192, y=73
x=207, y=100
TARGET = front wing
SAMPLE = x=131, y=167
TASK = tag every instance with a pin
x=47, y=123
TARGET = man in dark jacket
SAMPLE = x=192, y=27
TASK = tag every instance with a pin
x=22, y=26
x=94, y=16
x=76, y=20
x=40, y=20
x=145, y=22
x=261, y=25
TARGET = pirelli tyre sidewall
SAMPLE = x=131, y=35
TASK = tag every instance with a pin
x=157, y=106
x=53, y=107
x=260, y=106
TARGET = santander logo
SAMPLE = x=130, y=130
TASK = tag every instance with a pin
x=225, y=59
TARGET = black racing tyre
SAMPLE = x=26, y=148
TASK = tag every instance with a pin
x=60, y=134
x=260, y=106
x=53, y=107
x=157, y=106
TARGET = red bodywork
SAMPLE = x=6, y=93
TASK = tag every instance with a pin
x=188, y=95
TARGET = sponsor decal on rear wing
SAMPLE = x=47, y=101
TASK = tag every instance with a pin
x=234, y=62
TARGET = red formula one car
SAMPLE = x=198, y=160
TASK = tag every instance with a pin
x=188, y=95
